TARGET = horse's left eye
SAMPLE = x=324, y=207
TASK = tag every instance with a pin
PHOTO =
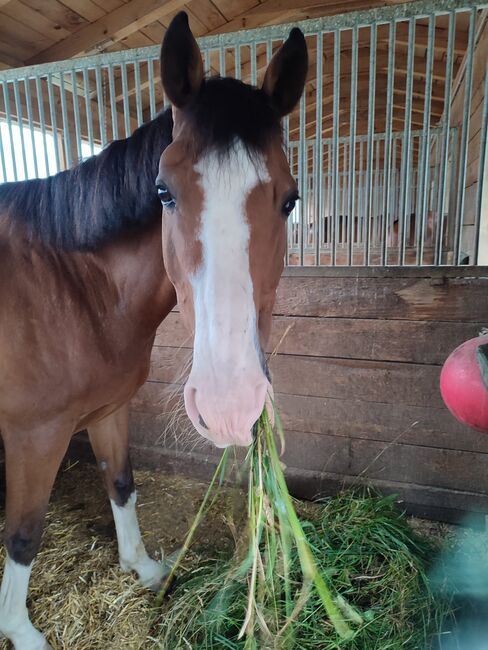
x=165, y=196
x=289, y=205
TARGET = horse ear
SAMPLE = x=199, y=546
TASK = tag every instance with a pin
x=181, y=62
x=285, y=77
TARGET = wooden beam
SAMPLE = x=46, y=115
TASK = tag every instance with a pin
x=111, y=28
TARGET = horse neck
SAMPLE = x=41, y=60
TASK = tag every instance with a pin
x=135, y=266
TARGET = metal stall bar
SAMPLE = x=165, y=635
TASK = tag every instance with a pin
x=335, y=148
x=76, y=112
x=407, y=145
x=30, y=121
x=42, y=120
x=54, y=122
x=137, y=86
x=20, y=122
x=463, y=150
x=8, y=117
x=101, y=107
x=481, y=171
x=125, y=100
x=387, y=145
x=113, y=106
x=302, y=181
x=445, y=140
x=422, y=194
x=369, y=161
x=152, y=96
x=89, y=116
x=64, y=114
x=318, y=160
x=351, y=204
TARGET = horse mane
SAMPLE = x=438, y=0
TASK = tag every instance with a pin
x=106, y=196
x=226, y=110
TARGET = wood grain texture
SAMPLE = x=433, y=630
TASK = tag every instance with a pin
x=425, y=342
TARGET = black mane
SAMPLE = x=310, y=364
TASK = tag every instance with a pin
x=114, y=192
x=108, y=194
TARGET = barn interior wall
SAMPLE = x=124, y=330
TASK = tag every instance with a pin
x=356, y=376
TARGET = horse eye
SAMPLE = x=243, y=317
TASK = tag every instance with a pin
x=165, y=196
x=289, y=205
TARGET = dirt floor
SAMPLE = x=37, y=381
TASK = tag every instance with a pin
x=80, y=599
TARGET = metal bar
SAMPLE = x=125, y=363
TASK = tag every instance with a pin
x=152, y=95
x=318, y=160
x=8, y=117
x=422, y=194
x=407, y=135
x=468, y=82
x=351, y=207
x=302, y=178
x=360, y=226
x=387, y=145
x=101, y=107
x=113, y=106
x=222, y=62
x=369, y=162
x=20, y=122
x=125, y=100
x=76, y=112
x=237, y=59
x=206, y=61
x=445, y=138
x=2, y=150
x=42, y=120
x=137, y=83
x=30, y=121
x=89, y=115
x=54, y=123
x=335, y=128
x=481, y=189
x=253, y=64
x=64, y=113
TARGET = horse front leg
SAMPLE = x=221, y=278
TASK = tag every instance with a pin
x=32, y=461
x=109, y=439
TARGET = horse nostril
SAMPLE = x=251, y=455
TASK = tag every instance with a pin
x=202, y=422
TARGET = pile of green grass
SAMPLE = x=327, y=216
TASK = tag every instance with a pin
x=349, y=573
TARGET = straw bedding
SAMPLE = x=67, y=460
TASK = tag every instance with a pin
x=82, y=601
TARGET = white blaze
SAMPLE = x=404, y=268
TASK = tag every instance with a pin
x=226, y=349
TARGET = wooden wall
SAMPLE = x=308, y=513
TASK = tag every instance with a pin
x=356, y=380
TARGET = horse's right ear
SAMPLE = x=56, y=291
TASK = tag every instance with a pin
x=181, y=62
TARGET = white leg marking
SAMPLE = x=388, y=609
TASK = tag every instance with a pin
x=132, y=553
x=14, y=617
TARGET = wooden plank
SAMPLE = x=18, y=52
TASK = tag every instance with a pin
x=442, y=468
x=85, y=8
x=27, y=16
x=415, y=425
x=58, y=13
x=426, y=342
x=370, y=381
x=461, y=299
x=110, y=28
x=21, y=38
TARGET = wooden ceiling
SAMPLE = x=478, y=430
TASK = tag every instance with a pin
x=37, y=31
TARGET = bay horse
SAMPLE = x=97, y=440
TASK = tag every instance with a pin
x=91, y=265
